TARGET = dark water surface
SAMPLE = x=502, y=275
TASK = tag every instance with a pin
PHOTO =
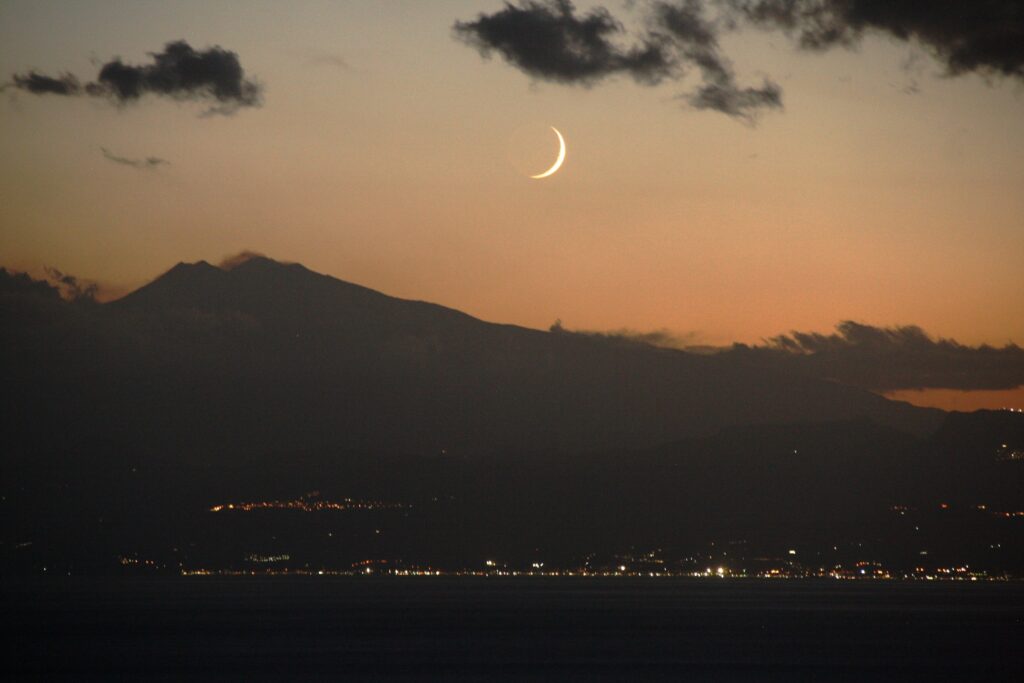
x=321, y=628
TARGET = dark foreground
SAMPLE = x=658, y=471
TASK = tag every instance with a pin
x=552, y=629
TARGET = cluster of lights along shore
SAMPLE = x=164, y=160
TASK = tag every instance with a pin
x=648, y=565
x=308, y=503
x=719, y=561
x=716, y=563
x=860, y=571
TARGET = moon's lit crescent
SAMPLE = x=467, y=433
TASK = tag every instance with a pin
x=558, y=162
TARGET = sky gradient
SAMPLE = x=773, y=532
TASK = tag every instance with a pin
x=389, y=153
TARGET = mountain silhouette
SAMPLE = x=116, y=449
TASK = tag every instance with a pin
x=125, y=422
x=273, y=355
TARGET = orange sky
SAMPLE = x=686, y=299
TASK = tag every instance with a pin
x=963, y=401
x=391, y=155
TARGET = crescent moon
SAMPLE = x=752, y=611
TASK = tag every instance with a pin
x=558, y=162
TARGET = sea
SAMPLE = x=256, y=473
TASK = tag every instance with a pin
x=493, y=628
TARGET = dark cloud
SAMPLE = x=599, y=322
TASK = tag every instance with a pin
x=144, y=163
x=179, y=72
x=38, y=84
x=548, y=40
x=686, y=22
x=696, y=39
x=890, y=358
x=741, y=103
x=984, y=36
x=70, y=287
x=182, y=73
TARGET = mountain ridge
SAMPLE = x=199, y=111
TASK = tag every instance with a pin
x=272, y=355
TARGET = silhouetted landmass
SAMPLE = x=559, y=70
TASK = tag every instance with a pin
x=128, y=421
x=267, y=354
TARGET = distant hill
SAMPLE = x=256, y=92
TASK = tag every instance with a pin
x=268, y=355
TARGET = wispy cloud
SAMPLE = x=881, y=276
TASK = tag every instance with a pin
x=145, y=163
x=662, y=338
x=70, y=287
x=38, y=84
x=328, y=59
x=549, y=40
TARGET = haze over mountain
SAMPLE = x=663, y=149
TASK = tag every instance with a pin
x=271, y=355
